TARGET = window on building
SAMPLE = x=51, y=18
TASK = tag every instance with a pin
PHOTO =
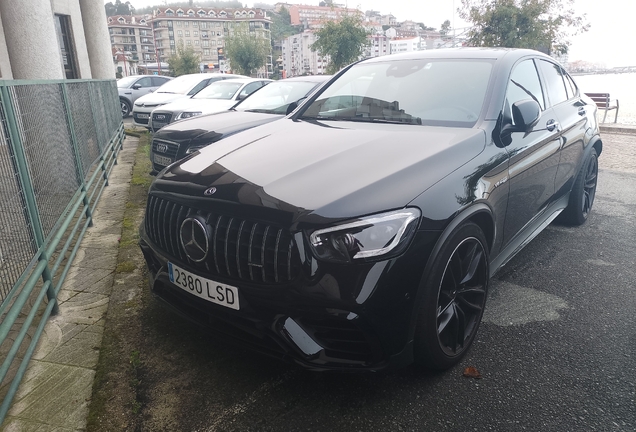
x=204, y=24
x=206, y=43
x=187, y=32
x=195, y=34
x=196, y=42
x=188, y=42
x=206, y=52
x=179, y=23
x=195, y=23
x=186, y=23
x=179, y=33
x=67, y=50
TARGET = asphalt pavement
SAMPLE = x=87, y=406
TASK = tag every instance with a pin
x=556, y=350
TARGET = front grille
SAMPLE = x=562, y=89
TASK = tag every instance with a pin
x=140, y=120
x=238, y=248
x=165, y=148
x=159, y=120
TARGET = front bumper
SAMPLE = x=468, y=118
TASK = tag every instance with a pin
x=141, y=115
x=347, y=318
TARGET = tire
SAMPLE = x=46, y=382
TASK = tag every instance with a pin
x=583, y=192
x=125, y=108
x=453, y=303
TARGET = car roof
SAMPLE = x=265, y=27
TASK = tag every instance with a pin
x=245, y=80
x=459, y=53
x=309, y=78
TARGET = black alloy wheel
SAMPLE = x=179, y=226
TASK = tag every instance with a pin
x=455, y=299
x=583, y=192
x=125, y=108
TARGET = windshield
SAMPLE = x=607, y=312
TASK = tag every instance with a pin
x=439, y=92
x=274, y=98
x=181, y=85
x=219, y=90
x=127, y=81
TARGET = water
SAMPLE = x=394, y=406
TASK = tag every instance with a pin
x=619, y=86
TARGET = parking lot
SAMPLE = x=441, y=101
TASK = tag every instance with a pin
x=556, y=350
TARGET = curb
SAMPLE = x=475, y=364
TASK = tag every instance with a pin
x=618, y=129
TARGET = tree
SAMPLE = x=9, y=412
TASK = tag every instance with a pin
x=119, y=8
x=545, y=25
x=343, y=41
x=184, y=61
x=246, y=53
x=281, y=25
x=425, y=27
x=445, y=28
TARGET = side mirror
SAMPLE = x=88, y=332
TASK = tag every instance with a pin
x=136, y=86
x=525, y=114
x=292, y=106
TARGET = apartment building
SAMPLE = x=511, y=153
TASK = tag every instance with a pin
x=204, y=30
x=299, y=59
x=131, y=37
x=312, y=17
x=405, y=45
x=378, y=45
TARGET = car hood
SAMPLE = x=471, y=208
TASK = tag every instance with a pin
x=153, y=99
x=323, y=170
x=207, y=129
x=205, y=106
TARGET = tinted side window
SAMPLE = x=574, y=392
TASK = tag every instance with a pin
x=553, y=75
x=249, y=89
x=156, y=81
x=524, y=84
x=144, y=82
x=199, y=86
x=571, y=86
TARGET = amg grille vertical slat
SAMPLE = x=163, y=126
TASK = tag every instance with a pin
x=289, y=255
x=227, y=242
x=147, y=218
x=238, y=250
x=162, y=228
x=172, y=231
x=216, y=232
x=249, y=251
x=178, y=227
x=156, y=219
x=280, y=231
x=263, y=253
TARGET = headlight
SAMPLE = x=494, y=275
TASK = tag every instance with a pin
x=383, y=235
x=185, y=115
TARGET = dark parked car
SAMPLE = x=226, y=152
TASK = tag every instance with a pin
x=361, y=231
x=267, y=104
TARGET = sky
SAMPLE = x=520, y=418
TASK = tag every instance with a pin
x=609, y=41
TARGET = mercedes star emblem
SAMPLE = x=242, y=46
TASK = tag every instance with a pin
x=209, y=191
x=194, y=239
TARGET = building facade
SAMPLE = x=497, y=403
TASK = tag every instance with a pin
x=299, y=59
x=204, y=30
x=70, y=40
x=131, y=40
x=312, y=17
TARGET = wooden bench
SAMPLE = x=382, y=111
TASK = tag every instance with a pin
x=603, y=102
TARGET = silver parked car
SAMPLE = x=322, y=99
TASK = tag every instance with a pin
x=217, y=97
x=180, y=87
x=132, y=87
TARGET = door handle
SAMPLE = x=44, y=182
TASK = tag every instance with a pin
x=551, y=125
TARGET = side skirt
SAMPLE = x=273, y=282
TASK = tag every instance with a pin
x=528, y=233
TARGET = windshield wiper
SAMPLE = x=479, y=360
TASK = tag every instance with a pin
x=414, y=120
x=263, y=111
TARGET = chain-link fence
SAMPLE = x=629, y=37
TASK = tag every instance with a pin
x=58, y=143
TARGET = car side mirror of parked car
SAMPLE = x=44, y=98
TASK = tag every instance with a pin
x=136, y=86
x=292, y=106
x=526, y=114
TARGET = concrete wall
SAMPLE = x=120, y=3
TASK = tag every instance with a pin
x=5, y=65
x=97, y=39
x=72, y=9
x=31, y=39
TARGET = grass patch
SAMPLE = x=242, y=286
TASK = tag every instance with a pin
x=125, y=267
x=118, y=383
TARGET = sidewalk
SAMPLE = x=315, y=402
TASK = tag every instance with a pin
x=55, y=393
x=56, y=390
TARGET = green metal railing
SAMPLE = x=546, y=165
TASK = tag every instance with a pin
x=59, y=140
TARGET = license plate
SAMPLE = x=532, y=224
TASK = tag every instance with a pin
x=143, y=116
x=162, y=160
x=215, y=292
